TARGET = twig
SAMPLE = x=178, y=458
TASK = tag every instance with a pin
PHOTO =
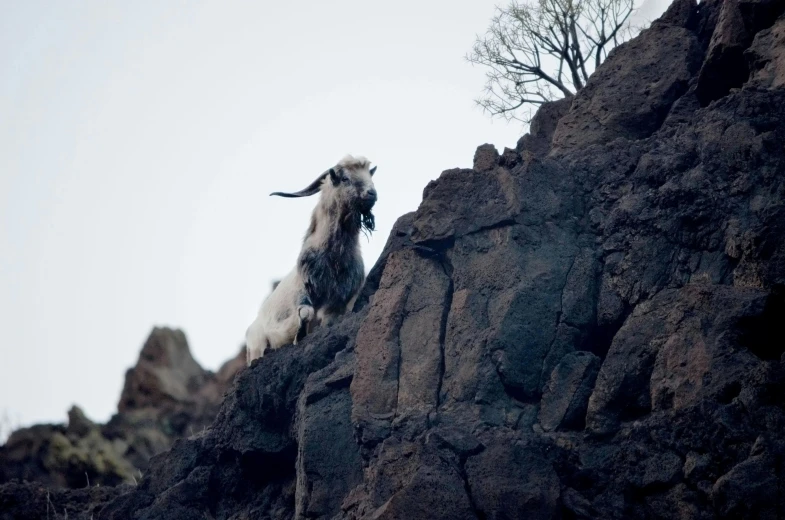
x=48, y=503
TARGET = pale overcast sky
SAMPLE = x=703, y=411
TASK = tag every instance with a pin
x=139, y=142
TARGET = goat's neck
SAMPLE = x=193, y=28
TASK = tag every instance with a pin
x=332, y=226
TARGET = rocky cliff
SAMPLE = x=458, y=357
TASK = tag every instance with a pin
x=591, y=325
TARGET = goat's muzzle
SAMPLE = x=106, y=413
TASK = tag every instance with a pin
x=368, y=200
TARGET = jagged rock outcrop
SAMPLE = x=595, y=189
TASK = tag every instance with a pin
x=588, y=326
x=166, y=396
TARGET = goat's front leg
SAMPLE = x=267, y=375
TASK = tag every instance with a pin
x=255, y=342
x=350, y=305
x=305, y=314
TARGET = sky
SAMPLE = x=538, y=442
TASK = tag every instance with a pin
x=139, y=142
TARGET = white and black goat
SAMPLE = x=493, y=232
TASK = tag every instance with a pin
x=329, y=271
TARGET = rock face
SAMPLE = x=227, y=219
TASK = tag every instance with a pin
x=588, y=326
x=591, y=325
x=766, y=57
x=565, y=399
x=167, y=395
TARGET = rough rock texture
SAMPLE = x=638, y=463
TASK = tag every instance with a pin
x=249, y=463
x=166, y=396
x=591, y=325
x=566, y=398
x=588, y=326
x=33, y=501
x=766, y=57
x=724, y=68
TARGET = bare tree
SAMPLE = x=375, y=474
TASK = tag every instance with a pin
x=545, y=50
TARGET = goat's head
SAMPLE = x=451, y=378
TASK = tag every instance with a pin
x=348, y=187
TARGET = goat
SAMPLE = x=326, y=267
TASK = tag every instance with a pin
x=329, y=272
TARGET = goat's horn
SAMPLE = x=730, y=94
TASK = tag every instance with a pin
x=307, y=192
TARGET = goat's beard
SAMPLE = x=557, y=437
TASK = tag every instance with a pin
x=365, y=221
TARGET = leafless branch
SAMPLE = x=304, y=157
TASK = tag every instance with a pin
x=542, y=50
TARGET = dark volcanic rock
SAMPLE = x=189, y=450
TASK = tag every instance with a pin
x=542, y=127
x=486, y=158
x=33, y=501
x=589, y=326
x=400, y=237
x=753, y=488
x=58, y=456
x=566, y=397
x=165, y=376
x=630, y=95
x=166, y=396
x=248, y=460
x=328, y=460
x=766, y=57
x=525, y=484
x=725, y=67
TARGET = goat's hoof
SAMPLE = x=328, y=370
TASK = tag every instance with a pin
x=252, y=354
x=306, y=313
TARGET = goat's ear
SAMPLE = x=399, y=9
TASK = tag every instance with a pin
x=334, y=176
x=373, y=170
x=310, y=190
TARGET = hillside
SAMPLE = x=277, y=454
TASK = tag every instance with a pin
x=590, y=325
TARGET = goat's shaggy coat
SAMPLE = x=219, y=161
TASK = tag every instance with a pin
x=329, y=271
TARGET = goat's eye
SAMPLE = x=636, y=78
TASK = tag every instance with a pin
x=344, y=179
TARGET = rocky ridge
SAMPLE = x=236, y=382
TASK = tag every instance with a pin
x=587, y=326
x=166, y=396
